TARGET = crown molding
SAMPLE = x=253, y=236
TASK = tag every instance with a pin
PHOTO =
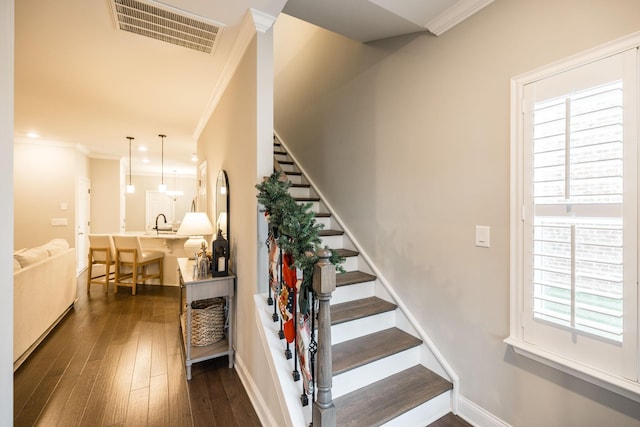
x=262, y=21
x=454, y=15
x=52, y=143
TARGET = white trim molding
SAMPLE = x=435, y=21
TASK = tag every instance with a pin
x=608, y=380
x=477, y=416
x=261, y=20
x=454, y=15
x=619, y=385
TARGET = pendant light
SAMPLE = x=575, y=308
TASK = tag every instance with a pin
x=130, y=187
x=162, y=188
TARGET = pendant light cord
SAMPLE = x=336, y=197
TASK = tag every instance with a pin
x=130, y=138
x=162, y=160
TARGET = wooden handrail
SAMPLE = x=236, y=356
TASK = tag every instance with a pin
x=324, y=283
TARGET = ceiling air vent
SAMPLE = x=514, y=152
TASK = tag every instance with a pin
x=171, y=26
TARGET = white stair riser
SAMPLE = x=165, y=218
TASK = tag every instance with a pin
x=299, y=192
x=352, y=292
x=360, y=327
x=374, y=371
x=350, y=263
x=288, y=168
x=334, y=242
x=325, y=221
x=295, y=179
x=315, y=206
x=424, y=414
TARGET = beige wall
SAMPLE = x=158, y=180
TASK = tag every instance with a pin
x=409, y=140
x=45, y=180
x=230, y=141
x=136, y=202
x=105, y=179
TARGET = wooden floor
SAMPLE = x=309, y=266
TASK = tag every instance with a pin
x=450, y=420
x=117, y=360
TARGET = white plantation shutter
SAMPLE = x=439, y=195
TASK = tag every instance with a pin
x=577, y=260
x=580, y=214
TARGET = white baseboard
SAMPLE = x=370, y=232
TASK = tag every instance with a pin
x=478, y=416
x=260, y=406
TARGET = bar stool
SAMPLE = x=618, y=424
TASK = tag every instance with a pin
x=134, y=265
x=101, y=253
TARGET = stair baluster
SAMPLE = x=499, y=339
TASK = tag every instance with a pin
x=295, y=374
x=324, y=283
x=270, y=242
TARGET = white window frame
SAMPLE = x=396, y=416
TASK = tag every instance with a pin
x=615, y=383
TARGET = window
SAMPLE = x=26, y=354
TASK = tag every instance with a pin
x=574, y=257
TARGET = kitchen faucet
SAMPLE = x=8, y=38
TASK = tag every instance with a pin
x=157, y=217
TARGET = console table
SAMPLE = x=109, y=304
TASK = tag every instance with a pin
x=194, y=289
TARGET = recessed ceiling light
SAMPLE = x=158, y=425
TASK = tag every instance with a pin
x=194, y=157
x=33, y=135
x=145, y=160
x=142, y=148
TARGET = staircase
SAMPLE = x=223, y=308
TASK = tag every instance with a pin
x=383, y=373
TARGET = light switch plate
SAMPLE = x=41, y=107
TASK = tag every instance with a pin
x=483, y=236
x=56, y=222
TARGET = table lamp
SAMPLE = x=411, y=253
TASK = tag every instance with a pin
x=195, y=225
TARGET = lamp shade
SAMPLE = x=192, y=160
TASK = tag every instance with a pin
x=195, y=225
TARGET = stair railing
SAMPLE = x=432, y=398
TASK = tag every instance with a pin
x=324, y=283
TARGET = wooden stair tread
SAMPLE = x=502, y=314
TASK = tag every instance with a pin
x=322, y=214
x=369, y=348
x=353, y=277
x=330, y=233
x=307, y=199
x=300, y=185
x=358, y=309
x=285, y=162
x=388, y=398
x=279, y=152
x=346, y=252
x=292, y=173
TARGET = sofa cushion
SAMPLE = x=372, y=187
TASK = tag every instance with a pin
x=59, y=242
x=56, y=246
x=31, y=256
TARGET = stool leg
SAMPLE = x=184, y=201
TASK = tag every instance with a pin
x=107, y=273
x=89, y=272
x=117, y=278
x=134, y=279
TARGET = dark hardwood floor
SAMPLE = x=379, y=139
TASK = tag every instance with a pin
x=450, y=420
x=117, y=360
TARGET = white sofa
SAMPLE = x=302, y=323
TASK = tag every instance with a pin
x=44, y=290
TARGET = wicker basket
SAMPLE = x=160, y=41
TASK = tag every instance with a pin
x=207, y=321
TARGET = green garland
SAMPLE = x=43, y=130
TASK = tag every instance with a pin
x=294, y=226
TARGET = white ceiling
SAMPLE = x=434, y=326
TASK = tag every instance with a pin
x=80, y=81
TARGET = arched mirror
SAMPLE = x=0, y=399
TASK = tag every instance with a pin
x=222, y=204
